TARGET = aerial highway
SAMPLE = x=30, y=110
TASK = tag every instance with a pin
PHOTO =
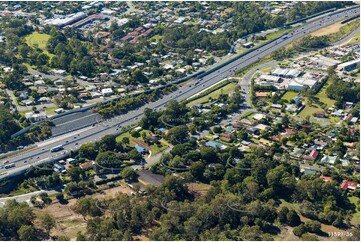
x=73, y=140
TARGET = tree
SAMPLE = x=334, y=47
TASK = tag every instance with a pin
x=107, y=158
x=108, y=142
x=208, y=154
x=87, y=206
x=75, y=173
x=59, y=196
x=309, y=237
x=125, y=140
x=313, y=226
x=177, y=186
x=42, y=59
x=292, y=218
x=27, y=232
x=197, y=170
x=282, y=214
x=47, y=221
x=178, y=134
x=299, y=230
x=88, y=151
x=128, y=173
x=139, y=76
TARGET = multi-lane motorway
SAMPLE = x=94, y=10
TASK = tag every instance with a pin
x=73, y=140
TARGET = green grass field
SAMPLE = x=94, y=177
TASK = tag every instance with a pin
x=309, y=110
x=215, y=94
x=50, y=111
x=323, y=97
x=289, y=95
x=37, y=39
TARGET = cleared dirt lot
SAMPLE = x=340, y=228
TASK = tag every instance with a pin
x=68, y=223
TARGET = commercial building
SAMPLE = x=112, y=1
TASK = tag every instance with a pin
x=348, y=66
x=300, y=84
x=269, y=78
x=107, y=92
x=289, y=73
x=70, y=19
x=324, y=61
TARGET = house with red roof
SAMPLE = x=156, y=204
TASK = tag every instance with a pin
x=346, y=184
x=319, y=114
x=326, y=178
x=312, y=156
x=87, y=165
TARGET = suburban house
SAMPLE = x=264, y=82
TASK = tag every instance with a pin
x=329, y=159
x=87, y=165
x=312, y=156
x=326, y=178
x=345, y=185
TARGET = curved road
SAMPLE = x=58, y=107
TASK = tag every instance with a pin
x=72, y=141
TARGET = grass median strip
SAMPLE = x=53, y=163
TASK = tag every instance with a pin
x=18, y=152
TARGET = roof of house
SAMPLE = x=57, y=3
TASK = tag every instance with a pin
x=87, y=165
x=348, y=185
x=313, y=155
x=261, y=94
x=148, y=178
x=326, y=178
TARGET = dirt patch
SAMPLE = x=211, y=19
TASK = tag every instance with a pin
x=68, y=223
x=287, y=234
x=142, y=143
x=113, y=191
x=328, y=30
x=199, y=189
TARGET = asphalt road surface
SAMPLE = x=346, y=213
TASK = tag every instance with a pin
x=72, y=141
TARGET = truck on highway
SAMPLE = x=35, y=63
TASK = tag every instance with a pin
x=56, y=148
x=8, y=166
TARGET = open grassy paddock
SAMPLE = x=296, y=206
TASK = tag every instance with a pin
x=215, y=94
x=37, y=39
x=323, y=97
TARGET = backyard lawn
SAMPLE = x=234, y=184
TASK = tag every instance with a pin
x=155, y=149
x=309, y=110
x=289, y=95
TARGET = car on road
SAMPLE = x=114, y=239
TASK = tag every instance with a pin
x=25, y=161
x=20, y=147
x=6, y=162
x=76, y=143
